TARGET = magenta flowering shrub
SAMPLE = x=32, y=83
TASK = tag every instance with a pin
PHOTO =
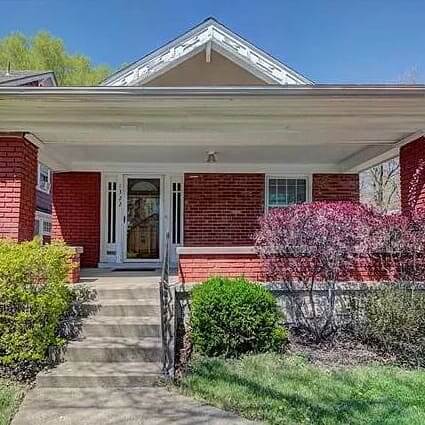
x=315, y=245
x=400, y=240
x=304, y=245
x=323, y=236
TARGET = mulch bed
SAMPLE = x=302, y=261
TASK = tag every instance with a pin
x=338, y=353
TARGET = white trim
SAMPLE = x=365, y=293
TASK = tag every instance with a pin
x=181, y=250
x=42, y=218
x=173, y=246
x=308, y=179
x=359, y=162
x=209, y=32
x=162, y=215
x=48, y=186
x=181, y=168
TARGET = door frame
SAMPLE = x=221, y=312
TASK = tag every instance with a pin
x=124, y=221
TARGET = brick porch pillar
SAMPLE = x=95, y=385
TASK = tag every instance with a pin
x=76, y=213
x=18, y=180
x=336, y=187
x=412, y=176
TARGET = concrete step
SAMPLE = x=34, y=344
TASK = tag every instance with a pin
x=107, y=349
x=95, y=374
x=127, y=293
x=127, y=326
x=125, y=307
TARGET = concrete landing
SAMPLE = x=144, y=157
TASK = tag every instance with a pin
x=117, y=406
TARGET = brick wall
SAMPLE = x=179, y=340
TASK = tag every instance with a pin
x=222, y=209
x=76, y=213
x=18, y=180
x=412, y=175
x=198, y=267
x=336, y=187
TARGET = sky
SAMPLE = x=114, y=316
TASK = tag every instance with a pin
x=329, y=41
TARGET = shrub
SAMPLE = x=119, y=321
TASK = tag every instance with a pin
x=394, y=322
x=231, y=317
x=33, y=298
x=310, y=244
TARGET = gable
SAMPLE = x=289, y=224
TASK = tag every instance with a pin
x=211, y=37
x=198, y=71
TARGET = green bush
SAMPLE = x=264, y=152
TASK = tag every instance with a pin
x=394, y=322
x=33, y=298
x=231, y=317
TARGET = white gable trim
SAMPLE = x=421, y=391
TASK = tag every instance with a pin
x=208, y=35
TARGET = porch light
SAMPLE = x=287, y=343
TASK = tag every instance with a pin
x=211, y=157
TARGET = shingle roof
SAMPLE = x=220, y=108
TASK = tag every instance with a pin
x=14, y=78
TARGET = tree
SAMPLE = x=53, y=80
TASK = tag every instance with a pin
x=43, y=52
x=380, y=186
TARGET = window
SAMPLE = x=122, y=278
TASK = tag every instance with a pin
x=42, y=224
x=284, y=191
x=112, y=212
x=44, y=178
x=177, y=213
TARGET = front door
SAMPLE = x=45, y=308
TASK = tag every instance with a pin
x=143, y=218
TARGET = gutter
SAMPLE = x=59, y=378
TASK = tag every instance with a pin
x=318, y=90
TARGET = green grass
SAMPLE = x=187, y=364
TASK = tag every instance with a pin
x=289, y=391
x=10, y=397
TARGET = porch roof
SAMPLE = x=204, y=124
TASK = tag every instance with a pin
x=319, y=128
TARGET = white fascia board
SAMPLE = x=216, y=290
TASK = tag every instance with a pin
x=181, y=168
x=369, y=157
x=210, y=31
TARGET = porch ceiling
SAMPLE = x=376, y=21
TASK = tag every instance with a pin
x=332, y=126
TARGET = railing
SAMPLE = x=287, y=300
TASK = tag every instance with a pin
x=168, y=318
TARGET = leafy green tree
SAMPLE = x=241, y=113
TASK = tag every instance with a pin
x=43, y=52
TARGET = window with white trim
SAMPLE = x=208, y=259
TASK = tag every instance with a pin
x=42, y=224
x=284, y=191
x=44, y=178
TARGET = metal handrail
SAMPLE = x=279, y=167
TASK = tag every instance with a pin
x=167, y=303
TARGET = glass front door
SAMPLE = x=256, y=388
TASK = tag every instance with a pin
x=143, y=218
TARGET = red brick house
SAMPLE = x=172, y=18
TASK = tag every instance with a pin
x=197, y=139
x=43, y=203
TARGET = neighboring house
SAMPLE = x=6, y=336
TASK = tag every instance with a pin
x=197, y=140
x=27, y=78
x=43, y=214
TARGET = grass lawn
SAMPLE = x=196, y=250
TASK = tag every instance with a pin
x=288, y=390
x=10, y=397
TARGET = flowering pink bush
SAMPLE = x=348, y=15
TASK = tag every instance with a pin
x=303, y=245
x=323, y=236
x=315, y=245
x=400, y=240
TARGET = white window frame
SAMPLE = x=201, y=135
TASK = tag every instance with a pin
x=287, y=176
x=44, y=188
x=43, y=218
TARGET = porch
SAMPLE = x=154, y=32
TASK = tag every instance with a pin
x=202, y=164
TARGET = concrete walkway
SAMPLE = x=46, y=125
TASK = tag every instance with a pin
x=117, y=406
x=111, y=373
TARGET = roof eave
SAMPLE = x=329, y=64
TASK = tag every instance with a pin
x=290, y=90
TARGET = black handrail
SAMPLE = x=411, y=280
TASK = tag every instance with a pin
x=167, y=302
